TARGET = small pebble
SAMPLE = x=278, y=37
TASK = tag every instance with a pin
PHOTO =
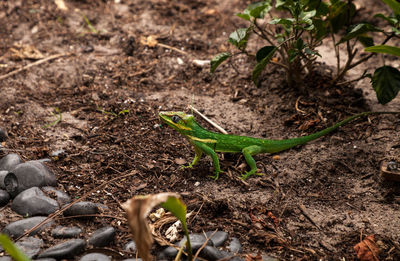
x=68, y=249
x=196, y=241
x=4, y=198
x=9, y=161
x=95, y=257
x=235, y=246
x=130, y=246
x=17, y=228
x=102, y=237
x=211, y=253
x=82, y=208
x=30, y=246
x=218, y=238
x=33, y=202
x=65, y=232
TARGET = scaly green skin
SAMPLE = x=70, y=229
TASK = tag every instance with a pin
x=208, y=142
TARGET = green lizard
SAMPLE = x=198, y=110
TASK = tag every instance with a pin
x=208, y=142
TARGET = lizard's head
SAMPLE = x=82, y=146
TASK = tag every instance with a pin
x=178, y=120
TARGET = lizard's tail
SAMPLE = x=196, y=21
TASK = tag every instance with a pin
x=289, y=143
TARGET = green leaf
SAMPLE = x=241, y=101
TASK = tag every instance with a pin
x=12, y=249
x=386, y=83
x=255, y=10
x=390, y=19
x=366, y=40
x=394, y=5
x=239, y=37
x=320, y=29
x=358, y=30
x=264, y=52
x=218, y=59
x=178, y=209
x=283, y=21
x=261, y=65
x=244, y=16
x=384, y=49
x=339, y=15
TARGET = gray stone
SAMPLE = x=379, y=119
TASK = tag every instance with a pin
x=61, y=197
x=4, y=197
x=5, y=258
x=3, y=135
x=33, y=202
x=268, y=258
x=166, y=253
x=102, y=237
x=65, y=232
x=218, y=238
x=95, y=257
x=82, y=208
x=211, y=253
x=130, y=247
x=30, y=246
x=27, y=175
x=68, y=249
x=18, y=228
x=9, y=161
x=3, y=174
x=235, y=246
x=196, y=241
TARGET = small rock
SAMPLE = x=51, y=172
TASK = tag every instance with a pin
x=30, y=246
x=218, y=238
x=102, y=237
x=95, y=257
x=65, y=232
x=235, y=246
x=196, y=241
x=33, y=202
x=201, y=63
x=82, y=208
x=211, y=253
x=61, y=197
x=27, y=175
x=9, y=161
x=268, y=258
x=130, y=247
x=5, y=258
x=168, y=252
x=3, y=174
x=4, y=197
x=57, y=153
x=65, y=250
x=18, y=228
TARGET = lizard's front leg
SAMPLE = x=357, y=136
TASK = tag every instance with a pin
x=198, y=152
x=209, y=151
x=248, y=152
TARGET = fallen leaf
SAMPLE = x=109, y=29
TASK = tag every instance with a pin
x=180, y=161
x=21, y=52
x=367, y=250
x=137, y=209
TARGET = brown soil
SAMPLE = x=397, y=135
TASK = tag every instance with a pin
x=109, y=88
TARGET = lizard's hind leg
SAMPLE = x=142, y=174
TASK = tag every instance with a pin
x=248, y=152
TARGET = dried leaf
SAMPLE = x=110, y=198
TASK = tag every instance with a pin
x=21, y=52
x=367, y=250
x=137, y=209
x=61, y=5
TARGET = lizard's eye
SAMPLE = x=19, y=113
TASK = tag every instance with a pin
x=175, y=119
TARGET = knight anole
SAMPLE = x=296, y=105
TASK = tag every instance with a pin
x=208, y=142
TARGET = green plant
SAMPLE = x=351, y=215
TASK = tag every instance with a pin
x=12, y=249
x=58, y=114
x=292, y=39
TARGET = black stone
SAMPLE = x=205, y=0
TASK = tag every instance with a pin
x=102, y=237
x=30, y=246
x=61, y=197
x=65, y=250
x=211, y=253
x=3, y=135
x=4, y=197
x=235, y=246
x=9, y=161
x=218, y=238
x=33, y=202
x=95, y=257
x=18, y=228
x=65, y=232
x=168, y=252
x=196, y=241
x=130, y=247
x=82, y=208
x=3, y=174
x=27, y=175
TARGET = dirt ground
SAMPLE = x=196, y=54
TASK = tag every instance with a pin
x=314, y=202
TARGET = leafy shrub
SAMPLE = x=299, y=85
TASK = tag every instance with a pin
x=291, y=39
